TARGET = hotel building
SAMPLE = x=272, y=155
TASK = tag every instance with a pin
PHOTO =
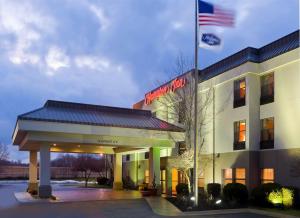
x=253, y=137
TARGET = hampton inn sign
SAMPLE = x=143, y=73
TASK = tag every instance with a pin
x=161, y=91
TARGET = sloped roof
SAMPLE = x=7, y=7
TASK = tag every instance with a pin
x=87, y=114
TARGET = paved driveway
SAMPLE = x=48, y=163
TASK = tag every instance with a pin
x=10, y=208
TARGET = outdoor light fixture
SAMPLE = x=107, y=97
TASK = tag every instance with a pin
x=101, y=154
x=218, y=201
x=78, y=146
x=54, y=145
x=193, y=198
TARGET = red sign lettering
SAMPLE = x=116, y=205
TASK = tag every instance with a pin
x=172, y=87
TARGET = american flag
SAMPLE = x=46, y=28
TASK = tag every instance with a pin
x=213, y=15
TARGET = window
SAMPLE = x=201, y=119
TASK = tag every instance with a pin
x=267, y=133
x=163, y=181
x=267, y=89
x=127, y=157
x=236, y=175
x=181, y=147
x=153, y=114
x=181, y=112
x=201, y=182
x=174, y=180
x=147, y=177
x=239, y=135
x=147, y=155
x=267, y=175
x=239, y=93
x=227, y=175
x=240, y=175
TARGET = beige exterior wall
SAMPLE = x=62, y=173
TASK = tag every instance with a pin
x=285, y=109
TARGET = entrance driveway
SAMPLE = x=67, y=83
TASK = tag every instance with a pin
x=10, y=208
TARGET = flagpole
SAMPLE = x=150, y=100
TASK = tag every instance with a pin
x=195, y=171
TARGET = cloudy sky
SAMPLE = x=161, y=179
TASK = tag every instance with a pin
x=111, y=52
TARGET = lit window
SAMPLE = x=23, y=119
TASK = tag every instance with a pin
x=239, y=93
x=163, y=181
x=181, y=147
x=236, y=175
x=267, y=175
x=147, y=177
x=240, y=175
x=267, y=89
x=228, y=178
x=239, y=135
x=201, y=182
x=174, y=180
x=267, y=133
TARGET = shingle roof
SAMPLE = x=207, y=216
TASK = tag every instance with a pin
x=77, y=113
x=256, y=55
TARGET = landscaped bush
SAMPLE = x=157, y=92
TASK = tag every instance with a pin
x=260, y=194
x=182, y=189
x=102, y=180
x=235, y=193
x=214, y=190
x=296, y=192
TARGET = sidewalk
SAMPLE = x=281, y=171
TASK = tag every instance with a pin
x=163, y=207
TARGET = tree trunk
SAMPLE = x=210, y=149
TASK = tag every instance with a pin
x=188, y=180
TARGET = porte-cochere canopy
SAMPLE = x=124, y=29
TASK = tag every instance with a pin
x=76, y=127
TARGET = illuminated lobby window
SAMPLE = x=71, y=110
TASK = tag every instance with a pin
x=267, y=175
x=174, y=180
x=201, y=182
x=267, y=89
x=239, y=135
x=227, y=176
x=236, y=175
x=181, y=147
x=147, y=176
x=240, y=175
x=239, y=93
x=163, y=181
x=267, y=133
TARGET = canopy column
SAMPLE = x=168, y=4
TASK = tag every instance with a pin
x=32, y=184
x=154, y=167
x=118, y=184
x=45, y=190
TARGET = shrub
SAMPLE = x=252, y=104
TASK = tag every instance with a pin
x=236, y=193
x=296, y=202
x=260, y=194
x=214, y=189
x=102, y=180
x=182, y=189
x=284, y=197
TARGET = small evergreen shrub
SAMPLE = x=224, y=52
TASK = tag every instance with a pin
x=182, y=189
x=259, y=195
x=235, y=193
x=214, y=190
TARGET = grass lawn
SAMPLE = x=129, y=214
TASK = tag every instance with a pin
x=292, y=212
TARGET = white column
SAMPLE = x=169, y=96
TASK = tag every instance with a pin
x=44, y=186
x=33, y=184
x=154, y=166
x=118, y=184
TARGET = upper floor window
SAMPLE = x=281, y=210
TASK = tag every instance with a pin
x=239, y=93
x=127, y=157
x=267, y=175
x=181, y=147
x=267, y=88
x=267, y=133
x=239, y=135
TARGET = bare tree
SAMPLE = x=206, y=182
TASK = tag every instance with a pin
x=86, y=164
x=177, y=106
x=3, y=152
